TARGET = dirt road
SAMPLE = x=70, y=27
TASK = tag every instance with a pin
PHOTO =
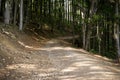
x=55, y=61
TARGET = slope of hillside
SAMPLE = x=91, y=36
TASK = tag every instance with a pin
x=14, y=46
x=30, y=57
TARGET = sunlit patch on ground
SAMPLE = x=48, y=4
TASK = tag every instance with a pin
x=69, y=69
x=81, y=64
x=22, y=66
x=56, y=62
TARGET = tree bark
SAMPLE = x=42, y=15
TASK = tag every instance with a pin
x=7, y=12
x=92, y=11
x=116, y=31
x=15, y=12
x=99, y=39
x=84, y=34
x=83, y=14
x=21, y=15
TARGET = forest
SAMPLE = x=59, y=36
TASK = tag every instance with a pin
x=59, y=39
x=95, y=21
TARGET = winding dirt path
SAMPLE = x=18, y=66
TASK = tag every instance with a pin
x=55, y=61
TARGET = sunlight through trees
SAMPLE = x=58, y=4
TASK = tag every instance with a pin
x=95, y=21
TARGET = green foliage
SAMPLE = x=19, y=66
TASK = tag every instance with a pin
x=74, y=16
x=94, y=51
x=97, y=18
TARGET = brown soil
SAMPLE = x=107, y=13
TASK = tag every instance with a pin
x=29, y=57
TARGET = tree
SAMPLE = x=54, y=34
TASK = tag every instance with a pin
x=92, y=20
x=92, y=11
x=21, y=15
x=7, y=12
x=116, y=29
x=15, y=12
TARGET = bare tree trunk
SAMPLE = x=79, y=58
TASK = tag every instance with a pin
x=90, y=25
x=21, y=15
x=87, y=47
x=84, y=35
x=84, y=31
x=116, y=31
x=68, y=12
x=92, y=11
x=83, y=14
x=15, y=12
x=99, y=39
x=7, y=12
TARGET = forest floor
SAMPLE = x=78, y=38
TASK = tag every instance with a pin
x=25, y=57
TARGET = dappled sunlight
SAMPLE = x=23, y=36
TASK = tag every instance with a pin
x=96, y=68
x=86, y=72
x=69, y=77
x=48, y=49
x=28, y=47
x=28, y=68
x=66, y=63
x=50, y=69
x=68, y=56
x=59, y=48
x=81, y=64
x=69, y=69
x=102, y=72
x=76, y=66
x=52, y=42
x=105, y=58
x=51, y=48
x=22, y=66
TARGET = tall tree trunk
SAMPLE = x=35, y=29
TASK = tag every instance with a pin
x=92, y=11
x=21, y=15
x=84, y=30
x=7, y=12
x=73, y=19
x=99, y=38
x=15, y=12
x=68, y=10
x=116, y=30
x=83, y=14
x=63, y=13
